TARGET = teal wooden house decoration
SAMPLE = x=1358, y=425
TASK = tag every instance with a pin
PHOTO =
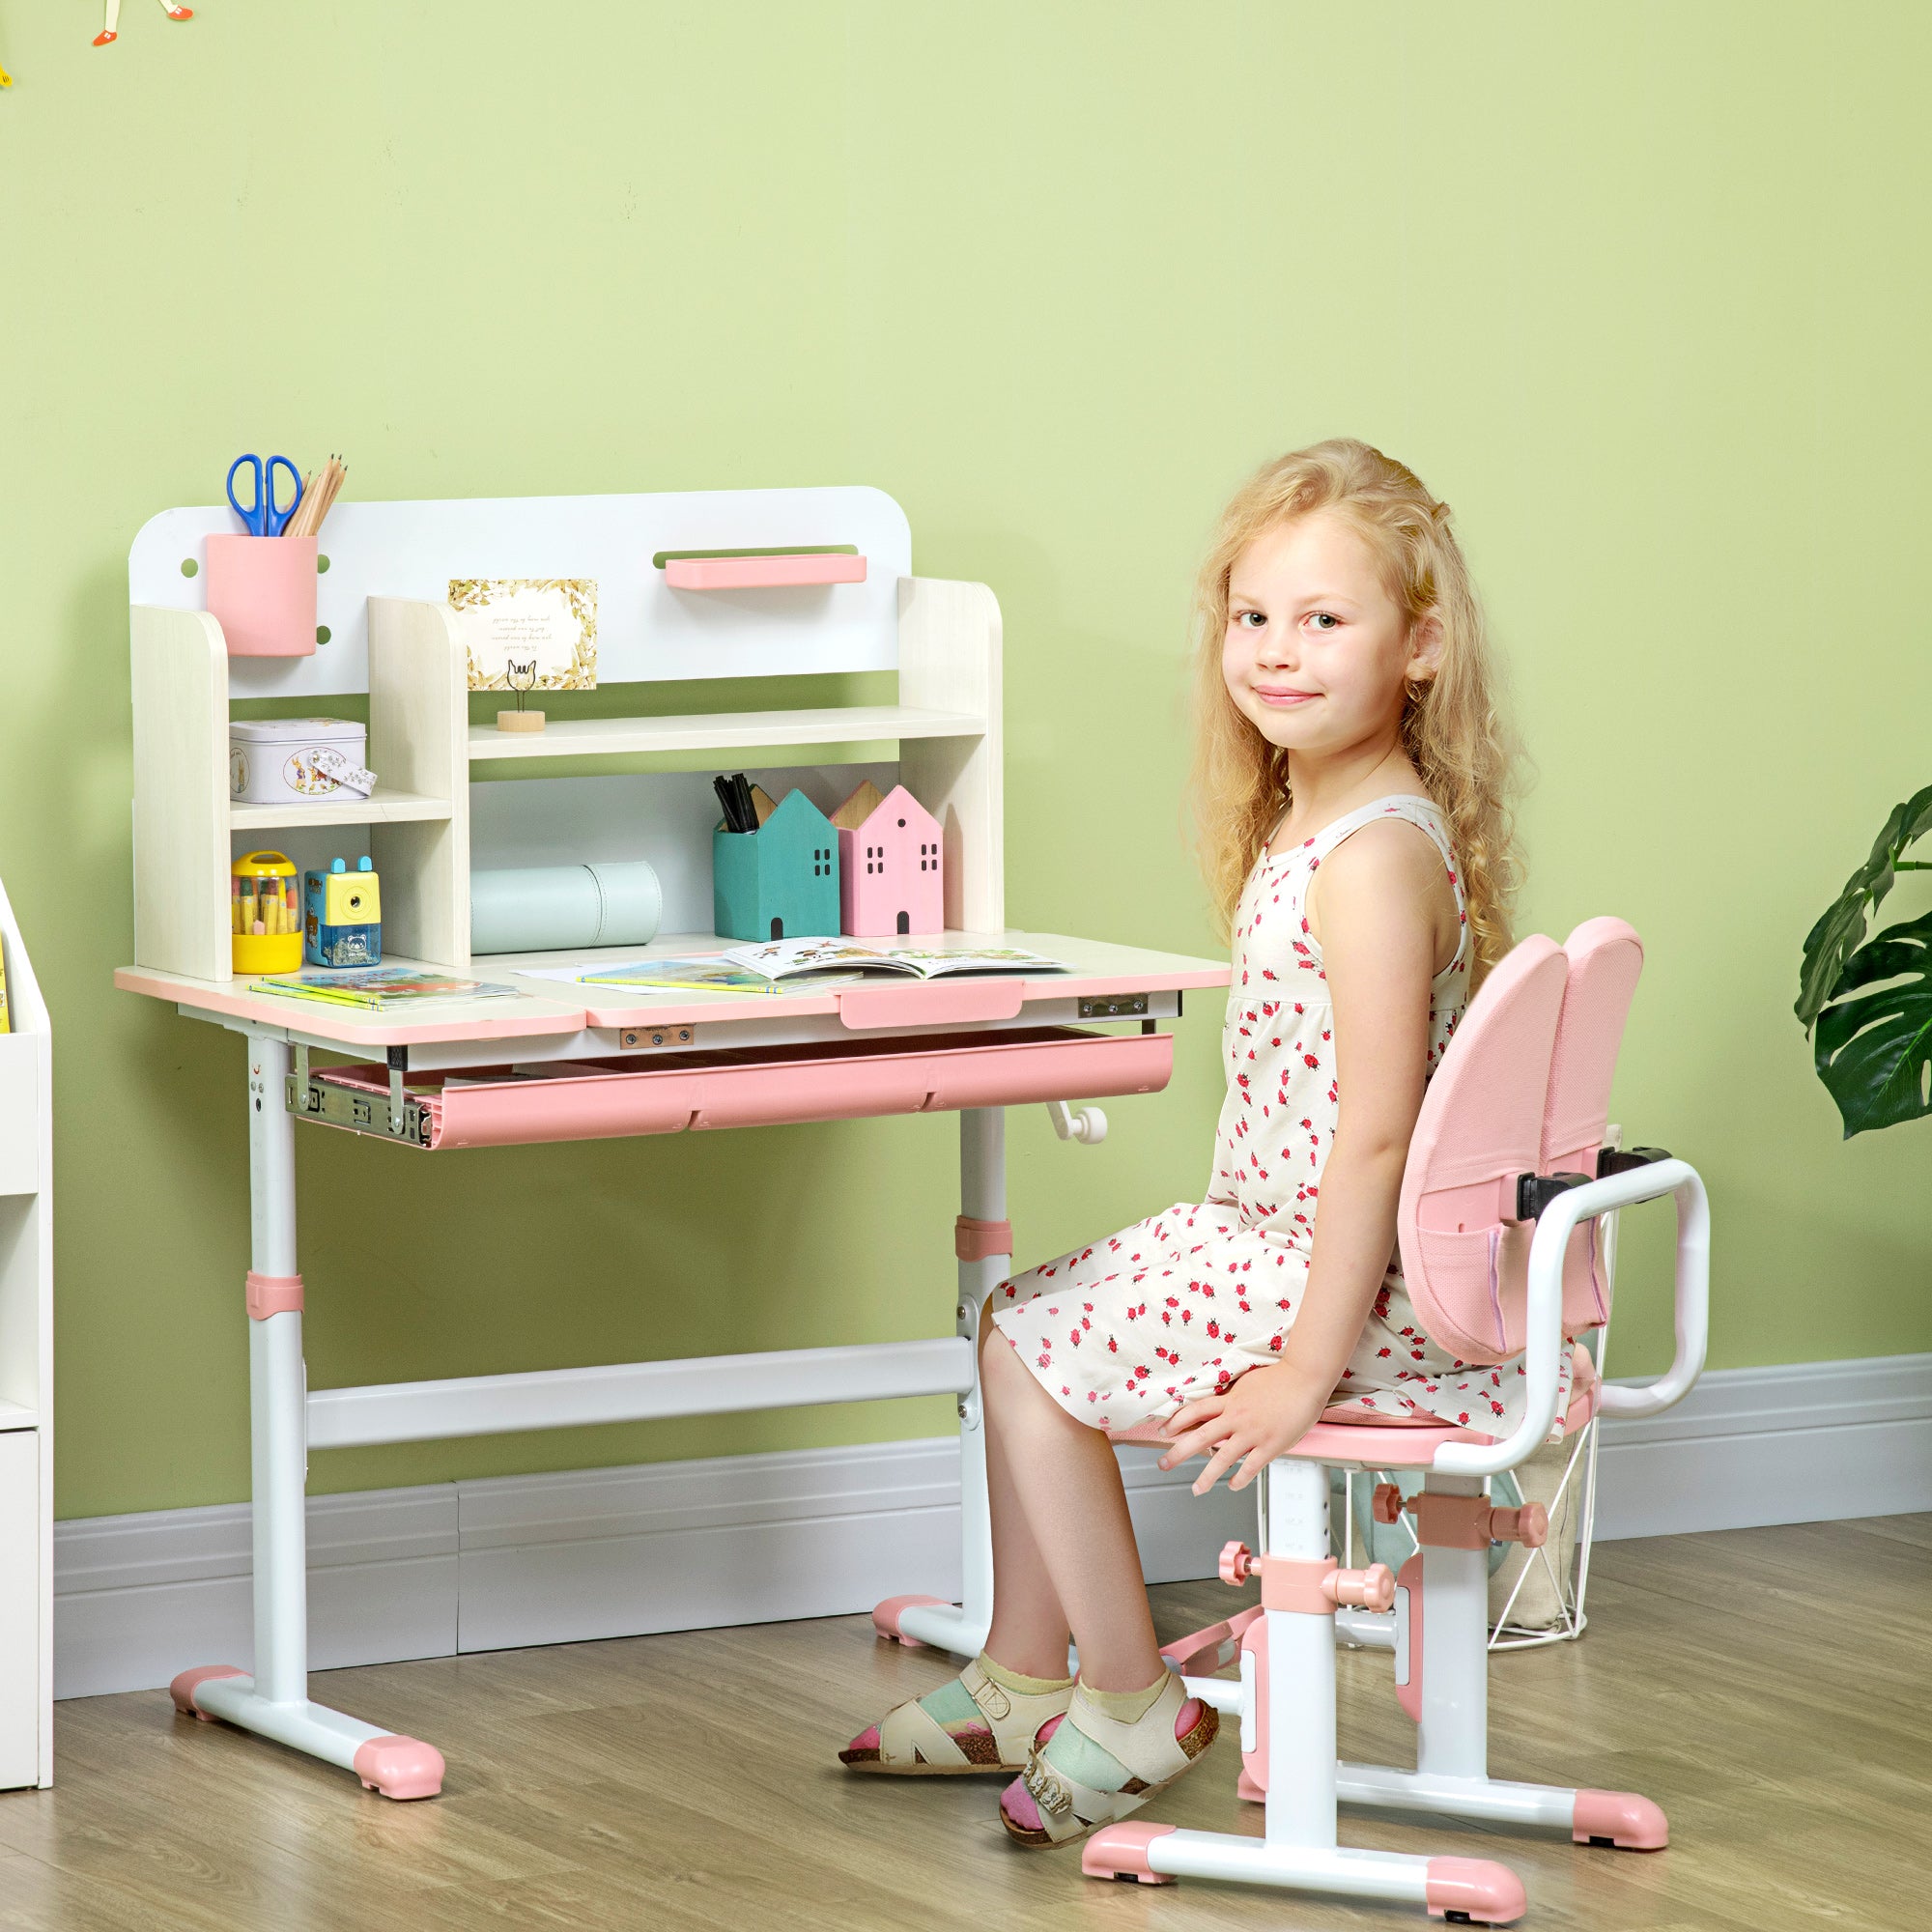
x=780, y=881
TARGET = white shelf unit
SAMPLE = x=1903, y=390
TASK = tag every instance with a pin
x=723, y=731
x=385, y=806
x=26, y=1374
x=422, y=745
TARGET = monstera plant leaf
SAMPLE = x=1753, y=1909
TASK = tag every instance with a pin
x=1874, y=1041
x=1867, y=1002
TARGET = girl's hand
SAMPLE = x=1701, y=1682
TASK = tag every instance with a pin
x=1263, y=1412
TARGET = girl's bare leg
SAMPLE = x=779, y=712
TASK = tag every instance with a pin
x=1077, y=1563
x=1030, y=1630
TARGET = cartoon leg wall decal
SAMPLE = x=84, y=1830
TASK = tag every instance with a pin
x=110, y=31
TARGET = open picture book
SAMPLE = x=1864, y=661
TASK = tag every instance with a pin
x=772, y=966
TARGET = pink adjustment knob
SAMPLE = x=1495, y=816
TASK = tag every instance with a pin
x=1370, y=1589
x=1237, y=1563
x=1528, y=1525
x=1386, y=1505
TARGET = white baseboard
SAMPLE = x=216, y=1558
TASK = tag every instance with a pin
x=1800, y=1442
x=138, y=1597
x=559, y=1558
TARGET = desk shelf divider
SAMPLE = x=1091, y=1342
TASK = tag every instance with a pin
x=418, y=739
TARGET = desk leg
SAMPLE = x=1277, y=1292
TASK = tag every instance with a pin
x=962, y=1628
x=274, y=1701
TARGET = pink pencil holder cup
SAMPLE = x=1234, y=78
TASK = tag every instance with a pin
x=261, y=590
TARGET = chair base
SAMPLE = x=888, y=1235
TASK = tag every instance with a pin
x=1619, y=1819
x=1466, y=1892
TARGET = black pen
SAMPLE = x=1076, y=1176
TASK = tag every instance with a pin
x=728, y=799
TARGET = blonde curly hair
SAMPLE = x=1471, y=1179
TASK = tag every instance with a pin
x=1452, y=730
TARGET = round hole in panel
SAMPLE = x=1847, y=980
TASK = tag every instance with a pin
x=189, y=568
x=321, y=634
x=322, y=566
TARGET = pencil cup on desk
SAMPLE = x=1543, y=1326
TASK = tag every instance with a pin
x=261, y=590
x=265, y=923
x=780, y=881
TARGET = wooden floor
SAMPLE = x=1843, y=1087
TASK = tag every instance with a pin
x=1768, y=1687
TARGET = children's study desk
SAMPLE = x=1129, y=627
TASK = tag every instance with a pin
x=566, y=1061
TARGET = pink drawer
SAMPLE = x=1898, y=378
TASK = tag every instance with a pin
x=839, y=1080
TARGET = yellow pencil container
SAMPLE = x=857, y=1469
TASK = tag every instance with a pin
x=263, y=915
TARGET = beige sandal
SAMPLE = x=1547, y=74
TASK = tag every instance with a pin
x=1046, y=1806
x=910, y=1742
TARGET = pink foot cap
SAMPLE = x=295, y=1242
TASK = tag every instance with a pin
x=1121, y=1851
x=1631, y=1823
x=1247, y=1789
x=400, y=1766
x=886, y=1618
x=1488, y=1894
x=184, y=1688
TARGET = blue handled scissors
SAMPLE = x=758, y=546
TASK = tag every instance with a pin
x=260, y=515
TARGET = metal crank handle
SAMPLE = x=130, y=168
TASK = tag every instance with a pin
x=1086, y=1125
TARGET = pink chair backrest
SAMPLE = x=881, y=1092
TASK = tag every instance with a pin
x=1606, y=957
x=1464, y=1257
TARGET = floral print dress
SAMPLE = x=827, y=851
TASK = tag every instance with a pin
x=1179, y=1305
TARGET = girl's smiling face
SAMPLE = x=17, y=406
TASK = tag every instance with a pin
x=1316, y=649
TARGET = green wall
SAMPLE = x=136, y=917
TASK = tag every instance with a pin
x=1640, y=292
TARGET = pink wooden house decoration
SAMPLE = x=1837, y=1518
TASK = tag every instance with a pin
x=888, y=869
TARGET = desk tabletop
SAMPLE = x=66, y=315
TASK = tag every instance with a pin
x=547, y=1006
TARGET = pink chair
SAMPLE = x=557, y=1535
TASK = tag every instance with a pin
x=1505, y=1180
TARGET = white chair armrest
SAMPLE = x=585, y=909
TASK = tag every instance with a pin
x=1543, y=1355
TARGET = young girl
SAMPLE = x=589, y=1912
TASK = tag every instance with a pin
x=1350, y=781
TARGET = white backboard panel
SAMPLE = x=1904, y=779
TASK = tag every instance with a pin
x=645, y=630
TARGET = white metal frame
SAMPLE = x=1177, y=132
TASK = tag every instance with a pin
x=1300, y=1848
x=287, y=1419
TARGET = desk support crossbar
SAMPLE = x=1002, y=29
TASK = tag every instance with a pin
x=635, y=1391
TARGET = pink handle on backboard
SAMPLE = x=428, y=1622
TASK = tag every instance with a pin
x=762, y=573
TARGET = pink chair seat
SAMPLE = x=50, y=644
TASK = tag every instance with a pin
x=1413, y=1445
x=1374, y=1446
x=1408, y=1443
